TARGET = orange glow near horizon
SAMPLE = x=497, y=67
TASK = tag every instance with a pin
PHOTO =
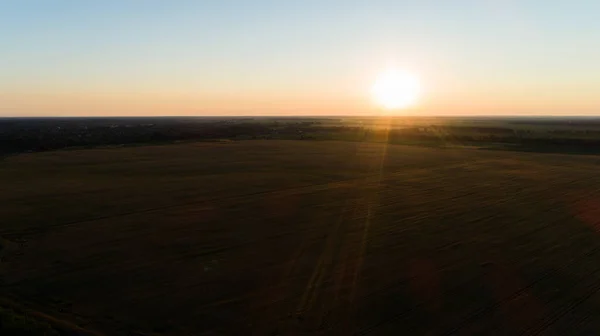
x=390, y=94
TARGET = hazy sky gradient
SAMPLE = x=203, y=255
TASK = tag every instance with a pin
x=210, y=57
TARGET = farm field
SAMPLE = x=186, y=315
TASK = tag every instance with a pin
x=304, y=237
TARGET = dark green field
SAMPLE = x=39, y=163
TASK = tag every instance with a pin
x=304, y=237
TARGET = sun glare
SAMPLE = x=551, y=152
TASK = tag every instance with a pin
x=395, y=89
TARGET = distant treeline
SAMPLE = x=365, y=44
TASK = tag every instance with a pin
x=23, y=135
x=44, y=135
x=521, y=139
x=560, y=122
x=571, y=141
x=43, y=139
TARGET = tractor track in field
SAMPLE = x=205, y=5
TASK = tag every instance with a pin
x=588, y=291
x=382, y=291
x=487, y=309
x=331, y=246
x=394, y=202
x=400, y=315
x=518, y=294
x=303, y=188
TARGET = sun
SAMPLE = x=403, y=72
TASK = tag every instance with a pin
x=394, y=90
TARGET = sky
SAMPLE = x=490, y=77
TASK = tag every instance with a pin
x=287, y=57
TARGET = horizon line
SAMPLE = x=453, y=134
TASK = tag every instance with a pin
x=314, y=116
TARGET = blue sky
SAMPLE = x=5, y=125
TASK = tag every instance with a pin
x=134, y=57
